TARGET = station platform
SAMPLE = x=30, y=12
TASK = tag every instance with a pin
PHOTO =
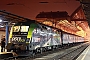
x=85, y=55
x=5, y=49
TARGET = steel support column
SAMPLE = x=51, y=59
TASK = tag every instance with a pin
x=7, y=33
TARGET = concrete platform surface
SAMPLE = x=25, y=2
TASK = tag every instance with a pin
x=85, y=55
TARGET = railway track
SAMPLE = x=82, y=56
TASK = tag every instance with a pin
x=65, y=53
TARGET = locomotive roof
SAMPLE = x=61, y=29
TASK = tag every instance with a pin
x=44, y=26
x=26, y=22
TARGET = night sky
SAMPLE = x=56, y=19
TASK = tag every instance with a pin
x=30, y=8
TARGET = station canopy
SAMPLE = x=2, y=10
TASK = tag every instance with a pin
x=74, y=24
x=86, y=8
x=10, y=19
x=59, y=19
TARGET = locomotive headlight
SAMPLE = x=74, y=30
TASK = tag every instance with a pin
x=22, y=40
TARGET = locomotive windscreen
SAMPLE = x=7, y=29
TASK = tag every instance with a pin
x=24, y=28
x=20, y=28
x=19, y=34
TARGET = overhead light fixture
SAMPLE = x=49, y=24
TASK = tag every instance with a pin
x=0, y=20
x=1, y=26
x=44, y=2
x=5, y=21
x=10, y=4
x=13, y=23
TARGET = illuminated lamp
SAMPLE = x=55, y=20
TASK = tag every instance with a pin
x=13, y=23
x=1, y=26
x=0, y=20
x=44, y=2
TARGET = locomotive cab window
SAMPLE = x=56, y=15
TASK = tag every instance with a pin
x=24, y=28
x=20, y=28
x=16, y=28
